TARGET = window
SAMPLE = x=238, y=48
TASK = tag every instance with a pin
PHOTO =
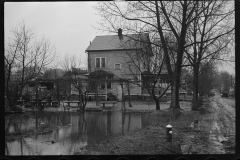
x=100, y=62
x=97, y=62
x=103, y=62
x=117, y=66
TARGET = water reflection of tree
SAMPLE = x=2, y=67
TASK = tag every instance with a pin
x=7, y=127
x=123, y=121
x=6, y=149
x=82, y=125
x=17, y=123
x=109, y=123
x=129, y=121
x=79, y=140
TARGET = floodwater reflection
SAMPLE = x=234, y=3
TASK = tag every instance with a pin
x=71, y=130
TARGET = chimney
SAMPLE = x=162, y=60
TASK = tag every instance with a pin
x=90, y=42
x=120, y=34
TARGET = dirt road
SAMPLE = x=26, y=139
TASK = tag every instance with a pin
x=215, y=131
x=221, y=123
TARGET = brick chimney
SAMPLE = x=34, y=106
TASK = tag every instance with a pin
x=120, y=34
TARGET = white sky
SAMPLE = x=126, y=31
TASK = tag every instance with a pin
x=68, y=25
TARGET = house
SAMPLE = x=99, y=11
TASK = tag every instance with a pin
x=112, y=57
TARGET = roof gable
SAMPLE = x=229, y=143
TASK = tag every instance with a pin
x=112, y=42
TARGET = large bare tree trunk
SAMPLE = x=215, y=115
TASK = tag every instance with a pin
x=157, y=103
x=175, y=96
x=177, y=75
x=195, y=88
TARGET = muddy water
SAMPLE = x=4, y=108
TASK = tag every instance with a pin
x=69, y=131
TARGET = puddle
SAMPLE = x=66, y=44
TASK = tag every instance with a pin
x=70, y=131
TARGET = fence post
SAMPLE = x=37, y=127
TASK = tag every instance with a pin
x=169, y=133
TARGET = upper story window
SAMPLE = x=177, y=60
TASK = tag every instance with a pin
x=117, y=66
x=100, y=62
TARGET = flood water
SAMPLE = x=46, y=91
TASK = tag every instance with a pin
x=71, y=131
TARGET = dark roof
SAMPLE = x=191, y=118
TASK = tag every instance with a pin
x=100, y=73
x=112, y=42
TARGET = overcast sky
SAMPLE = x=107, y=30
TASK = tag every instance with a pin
x=68, y=25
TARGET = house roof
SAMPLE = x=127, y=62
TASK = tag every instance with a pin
x=112, y=42
x=100, y=73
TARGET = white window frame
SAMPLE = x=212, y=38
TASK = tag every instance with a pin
x=115, y=66
x=100, y=62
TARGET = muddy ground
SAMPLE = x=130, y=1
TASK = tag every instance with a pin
x=211, y=130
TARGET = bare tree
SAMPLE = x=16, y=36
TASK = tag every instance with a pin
x=209, y=37
x=79, y=82
x=70, y=65
x=166, y=20
x=25, y=57
x=206, y=79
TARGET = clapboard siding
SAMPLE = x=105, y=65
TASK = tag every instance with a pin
x=113, y=57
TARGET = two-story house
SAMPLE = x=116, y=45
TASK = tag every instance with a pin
x=114, y=56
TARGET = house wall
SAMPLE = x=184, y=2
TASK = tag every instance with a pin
x=117, y=57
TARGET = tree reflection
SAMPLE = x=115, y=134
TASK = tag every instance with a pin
x=17, y=124
x=6, y=149
x=109, y=123
x=129, y=121
x=123, y=121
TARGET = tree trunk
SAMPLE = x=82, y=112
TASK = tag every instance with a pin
x=129, y=99
x=37, y=95
x=57, y=91
x=123, y=100
x=157, y=101
x=195, y=89
x=175, y=93
x=176, y=84
x=79, y=98
x=84, y=103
